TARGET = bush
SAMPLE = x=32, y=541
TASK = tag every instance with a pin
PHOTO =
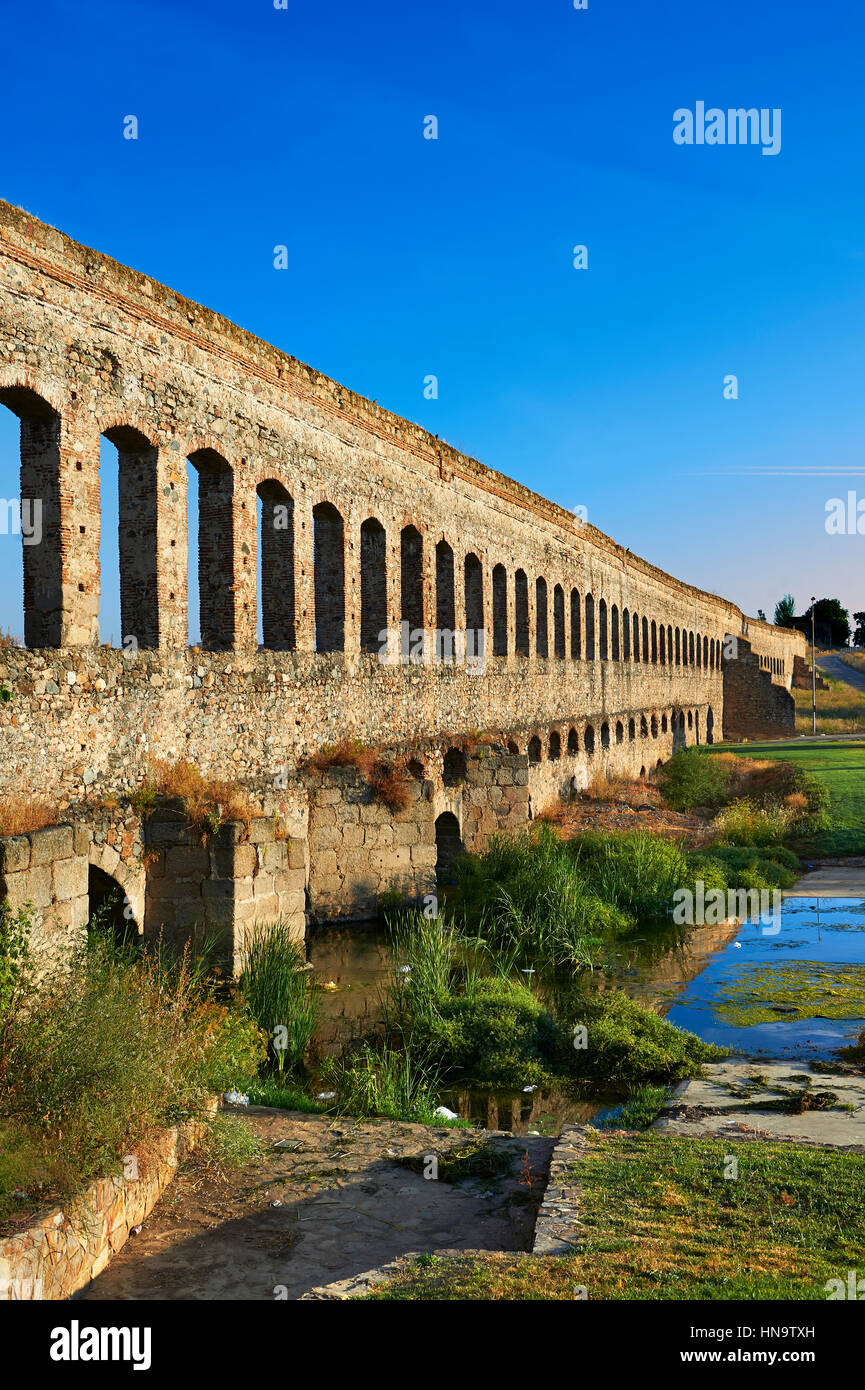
x=629, y=1045
x=381, y=1081
x=744, y=822
x=637, y=872
x=693, y=778
x=736, y=866
x=500, y=1036
x=120, y=1044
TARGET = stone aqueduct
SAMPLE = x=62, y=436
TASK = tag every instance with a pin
x=592, y=657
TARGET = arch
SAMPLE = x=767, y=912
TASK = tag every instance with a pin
x=559, y=623
x=534, y=750
x=710, y=725
x=39, y=452
x=589, y=740
x=106, y=906
x=276, y=566
x=626, y=635
x=216, y=557
x=678, y=648
x=696, y=726
x=644, y=728
x=541, y=636
x=328, y=546
x=620, y=731
x=699, y=653
x=521, y=613
x=445, y=592
x=690, y=719
x=662, y=645
x=605, y=735
x=590, y=627
x=706, y=652
x=373, y=584
x=614, y=633
x=603, y=646
x=645, y=647
x=632, y=731
x=576, y=636
x=473, y=578
x=513, y=747
x=573, y=741
x=654, y=643
x=654, y=726
x=669, y=645
x=555, y=747
x=664, y=723
x=500, y=611
x=132, y=560
x=449, y=845
x=635, y=624
x=454, y=767
x=690, y=648
x=411, y=578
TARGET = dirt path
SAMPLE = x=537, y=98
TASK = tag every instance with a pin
x=840, y=671
x=331, y=1204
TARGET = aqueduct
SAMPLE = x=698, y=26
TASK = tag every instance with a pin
x=368, y=533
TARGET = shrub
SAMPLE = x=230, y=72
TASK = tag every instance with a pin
x=500, y=1036
x=745, y=823
x=629, y=1045
x=637, y=872
x=381, y=1081
x=693, y=778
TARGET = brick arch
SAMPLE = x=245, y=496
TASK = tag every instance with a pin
x=23, y=379
x=216, y=547
x=45, y=508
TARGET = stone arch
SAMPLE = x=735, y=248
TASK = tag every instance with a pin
x=635, y=632
x=603, y=637
x=559, y=623
x=620, y=731
x=662, y=645
x=110, y=874
x=521, y=613
x=632, y=730
x=644, y=727
x=513, y=747
x=445, y=591
x=276, y=558
x=678, y=647
x=555, y=746
x=710, y=725
x=573, y=741
x=614, y=633
x=373, y=584
x=589, y=740
x=664, y=723
x=605, y=735
x=500, y=611
x=534, y=750
x=39, y=449
x=690, y=719
x=654, y=726
x=411, y=578
x=589, y=607
x=699, y=642
x=690, y=649
x=448, y=838
x=136, y=515
x=626, y=635
x=216, y=551
x=473, y=578
x=576, y=637
x=645, y=644
x=542, y=645
x=654, y=643
x=328, y=538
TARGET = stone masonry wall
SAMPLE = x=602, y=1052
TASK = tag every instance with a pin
x=48, y=869
x=754, y=706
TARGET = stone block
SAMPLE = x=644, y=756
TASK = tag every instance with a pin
x=55, y=842
x=70, y=878
x=14, y=854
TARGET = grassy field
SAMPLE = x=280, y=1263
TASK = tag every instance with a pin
x=841, y=767
x=660, y=1221
x=840, y=709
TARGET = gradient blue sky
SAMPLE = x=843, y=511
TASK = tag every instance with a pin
x=407, y=257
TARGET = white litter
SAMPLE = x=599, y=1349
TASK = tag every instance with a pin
x=530, y=1088
x=326, y=1095
x=235, y=1098
x=442, y=1113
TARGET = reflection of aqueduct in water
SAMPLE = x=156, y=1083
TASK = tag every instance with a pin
x=362, y=522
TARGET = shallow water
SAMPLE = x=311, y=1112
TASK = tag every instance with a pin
x=683, y=972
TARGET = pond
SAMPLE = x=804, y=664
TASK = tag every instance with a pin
x=798, y=991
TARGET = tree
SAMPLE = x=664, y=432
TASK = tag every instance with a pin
x=785, y=611
x=829, y=613
x=859, y=634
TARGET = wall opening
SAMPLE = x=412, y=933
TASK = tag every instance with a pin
x=576, y=625
x=590, y=628
x=521, y=613
x=211, y=496
x=41, y=586
x=373, y=584
x=559, y=623
x=541, y=639
x=449, y=845
x=603, y=648
x=500, y=611
x=454, y=767
x=275, y=506
x=128, y=490
x=474, y=591
x=534, y=750
x=445, y=598
x=555, y=751
x=411, y=578
x=328, y=543
x=106, y=904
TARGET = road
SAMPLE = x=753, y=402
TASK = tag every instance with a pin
x=840, y=671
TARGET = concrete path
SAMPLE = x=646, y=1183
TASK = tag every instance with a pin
x=329, y=1200
x=839, y=670
x=841, y=881
x=761, y=1100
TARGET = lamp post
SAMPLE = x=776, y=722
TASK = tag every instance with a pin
x=813, y=666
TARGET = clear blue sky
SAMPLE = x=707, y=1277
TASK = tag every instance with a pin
x=601, y=387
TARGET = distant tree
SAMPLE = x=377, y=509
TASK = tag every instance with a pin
x=829, y=612
x=785, y=611
x=859, y=634
x=761, y=615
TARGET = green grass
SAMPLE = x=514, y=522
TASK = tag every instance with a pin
x=840, y=767
x=272, y=1090
x=660, y=1221
x=280, y=994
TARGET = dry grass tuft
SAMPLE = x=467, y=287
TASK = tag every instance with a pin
x=20, y=814
x=208, y=801
x=388, y=780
